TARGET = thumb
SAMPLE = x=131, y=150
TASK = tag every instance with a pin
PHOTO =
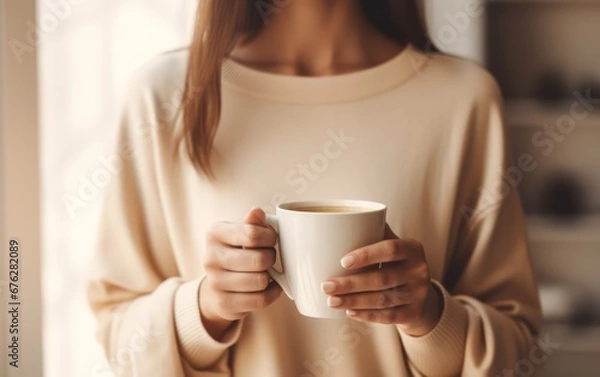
x=256, y=216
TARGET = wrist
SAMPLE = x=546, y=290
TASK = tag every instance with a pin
x=434, y=307
x=214, y=324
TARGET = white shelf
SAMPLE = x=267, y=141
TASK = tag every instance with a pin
x=546, y=229
x=532, y=113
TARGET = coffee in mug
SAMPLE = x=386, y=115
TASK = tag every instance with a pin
x=330, y=209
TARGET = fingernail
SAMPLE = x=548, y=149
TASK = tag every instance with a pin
x=328, y=287
x=350, y=313
x=348, y=261
x=334, y=301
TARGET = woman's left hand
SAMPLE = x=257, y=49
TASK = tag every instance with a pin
x=395, y=288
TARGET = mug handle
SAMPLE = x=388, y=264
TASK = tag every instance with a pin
x=279, y=277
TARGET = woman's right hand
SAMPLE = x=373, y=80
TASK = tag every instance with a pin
x=237, y=258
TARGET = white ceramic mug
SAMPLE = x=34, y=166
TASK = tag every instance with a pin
x=311, y=244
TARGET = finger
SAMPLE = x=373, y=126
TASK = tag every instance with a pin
x=390, y=276
x=234, y=302
x=241, y=260
x=380, y=252
x=256, y=216
x=241, y=281
x=388, y=298
x=242, y=235
x=397, y=315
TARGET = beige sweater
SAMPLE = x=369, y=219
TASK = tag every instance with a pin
x=422, y=134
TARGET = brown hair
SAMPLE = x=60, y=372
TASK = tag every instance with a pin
x=220, y=24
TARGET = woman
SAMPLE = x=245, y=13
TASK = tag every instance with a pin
x=289, y=100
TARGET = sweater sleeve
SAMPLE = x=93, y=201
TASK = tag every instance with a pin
x=148, y=319
x=491, y=310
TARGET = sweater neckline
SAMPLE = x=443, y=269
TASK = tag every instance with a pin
x=344, y=87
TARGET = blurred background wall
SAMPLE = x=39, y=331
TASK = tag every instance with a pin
x=88, y=49
x=546, y=57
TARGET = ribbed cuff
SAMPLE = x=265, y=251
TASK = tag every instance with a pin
x=441, y=351
x=199, y=348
